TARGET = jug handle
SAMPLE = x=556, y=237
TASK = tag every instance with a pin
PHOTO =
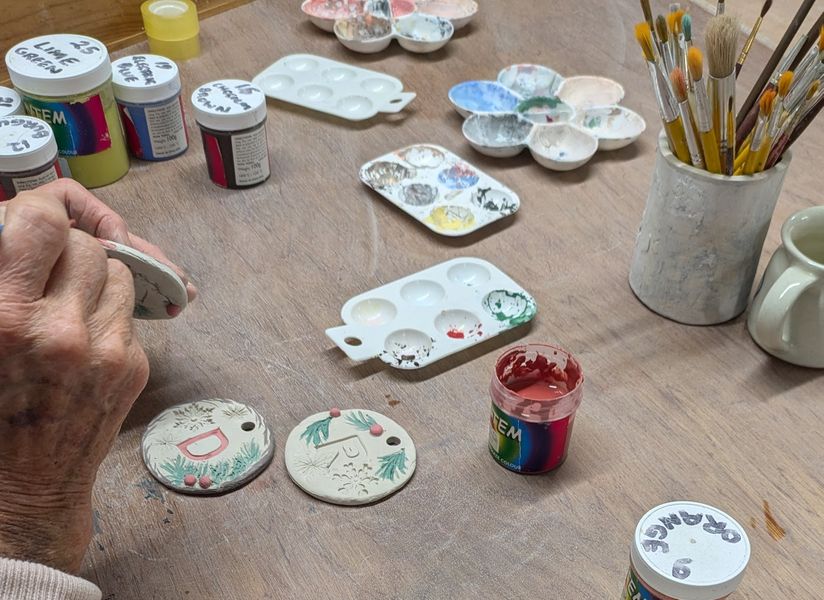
x=779, y=299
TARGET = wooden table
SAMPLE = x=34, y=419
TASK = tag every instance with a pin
x=669, y=412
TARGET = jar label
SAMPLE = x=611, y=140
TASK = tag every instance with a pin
x=251, y=157
x=155, y=131
x=79, y=128
x=525, y=446
x=11, y=186
x=634, y=589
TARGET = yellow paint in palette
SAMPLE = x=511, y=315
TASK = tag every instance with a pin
x=451, y=218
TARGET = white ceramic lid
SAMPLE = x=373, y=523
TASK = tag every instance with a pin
x=229, y=105
x=26, y=143
x=62, y=64
x=10, y=103
x=690, y=551
x=145, y=78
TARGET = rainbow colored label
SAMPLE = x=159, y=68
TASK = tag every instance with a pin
x=79, y=128
x=528, y=447
x=634, y=589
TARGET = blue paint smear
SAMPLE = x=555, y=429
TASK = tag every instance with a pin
x=483, y=96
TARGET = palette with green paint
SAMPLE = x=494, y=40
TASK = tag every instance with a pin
x=422, y=318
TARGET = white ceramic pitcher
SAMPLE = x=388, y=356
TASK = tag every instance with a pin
x=787, y=315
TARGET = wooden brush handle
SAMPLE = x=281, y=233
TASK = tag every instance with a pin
x=678, y=140
x=710, y=145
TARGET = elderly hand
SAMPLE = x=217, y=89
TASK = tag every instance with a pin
x=70, y=368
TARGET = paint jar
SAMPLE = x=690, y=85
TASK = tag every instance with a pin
x=28, y=155
x=66, y=80
x=172, y=28
x=535, y=392
x=10, y=103
x=686, y=551
x=232, y=116
x=700, y=239
x=147, y=90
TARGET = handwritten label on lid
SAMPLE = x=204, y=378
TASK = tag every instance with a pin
x=143, y=71
x=693, y=543
x=22, y=135
x=59, y=55
x=228, y=97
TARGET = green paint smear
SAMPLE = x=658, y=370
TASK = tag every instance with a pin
x=512, y=308
x=227, y=470
x=538, y=102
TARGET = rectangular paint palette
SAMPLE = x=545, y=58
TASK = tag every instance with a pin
x=439, y=189
x=332, y=87
x=417, y=320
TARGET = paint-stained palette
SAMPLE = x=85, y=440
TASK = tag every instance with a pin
x=417, y=320
x=349, y=456
x=439, y=189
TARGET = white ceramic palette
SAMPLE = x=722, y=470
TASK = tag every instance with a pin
x=417, y=33
x=417, y=320
x=324, y=13
x=332, y=87
x=349, y=457
x=439, y=189
x=158, y=291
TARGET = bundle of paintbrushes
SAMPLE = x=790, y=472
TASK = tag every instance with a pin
x=698, y=110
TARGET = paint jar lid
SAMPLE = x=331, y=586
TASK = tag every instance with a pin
x=26, y=143
x=690, y=551
x=229, y=105
x=170, y=20
x=62, y=64
x=144, y=78
x=10, y=103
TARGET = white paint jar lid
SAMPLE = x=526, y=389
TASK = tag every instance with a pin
x=145, y=78
x=26, y=143
x=690, y=551
x=10, y=103
x=229, y=105
x=58, y=65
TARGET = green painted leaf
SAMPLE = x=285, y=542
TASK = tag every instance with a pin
x=175, y=470
x=392, y=464
x=361, y=421
x=317, y=432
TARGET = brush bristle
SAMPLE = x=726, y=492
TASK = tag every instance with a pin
x=671, y=26
x=784, y=83
x=645, y=8
x=695, y=62
x=766, y=8
x=821, y=39
x=679, y=84
x=766, y=102
x=686, y=25
x=661, y=28
x=721, y=41
x=644, y=37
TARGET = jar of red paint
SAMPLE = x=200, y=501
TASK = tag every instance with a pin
x=232, y=117
x=535, y=391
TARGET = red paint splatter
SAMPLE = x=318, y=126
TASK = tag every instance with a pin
x=455, y=334
x=538, y=376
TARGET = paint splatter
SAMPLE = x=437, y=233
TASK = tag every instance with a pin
x=151, y=490
x=391, y=401
x=510, y=308
x=455, y=334
x=773, y=528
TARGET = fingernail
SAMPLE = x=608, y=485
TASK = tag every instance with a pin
x=173, y=310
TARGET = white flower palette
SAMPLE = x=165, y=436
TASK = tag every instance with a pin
x=207, y=447
x=332, y=87
x=158, y=291
x=439, y=189
x=417, y=320
x=349, y=456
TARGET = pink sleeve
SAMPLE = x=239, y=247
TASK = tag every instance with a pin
x=20, y=580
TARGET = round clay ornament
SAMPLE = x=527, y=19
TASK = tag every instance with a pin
x=349, y=456
x=207, y=447
x=158, y=291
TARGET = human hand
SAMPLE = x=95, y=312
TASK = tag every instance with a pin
x=71, y=367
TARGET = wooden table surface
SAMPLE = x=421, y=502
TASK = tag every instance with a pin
x=669, y=412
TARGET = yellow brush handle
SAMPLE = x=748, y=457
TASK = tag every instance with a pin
x=743, y=153
x=711, y=156
x=763, y=153
x=751, y=162
x=678, y=140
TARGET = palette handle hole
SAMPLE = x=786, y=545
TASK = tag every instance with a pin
x=353, y=341
x=393, y=441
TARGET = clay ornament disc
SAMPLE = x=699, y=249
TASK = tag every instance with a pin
x=349, y=456
x=158, y=291
x=207, y=447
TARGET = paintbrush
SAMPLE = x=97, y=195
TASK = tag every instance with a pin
x=748, y=44
x=720, y=8
x=676, y=36
x=775, y=58
x=790, y=123
x=645, y=8
x=765, y=109
x=771, y=128
x=679, y=86
x=804, y=117
x=809, y=39
x=802, y=82
x=686, y=27
x=672, y=122
x=663, y=37
x=720, y=41
x=703, y=112
x=807, y=69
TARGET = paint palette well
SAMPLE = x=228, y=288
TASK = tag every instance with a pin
x=417, y=320
x=439, y=189
x=324, y=13
x=332, y=87
x=418, y=32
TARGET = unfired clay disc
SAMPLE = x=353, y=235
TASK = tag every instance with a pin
x=156, y=286
x=349, y=456
x=207, y=447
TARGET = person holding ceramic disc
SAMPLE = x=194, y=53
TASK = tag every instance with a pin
x=71, y=367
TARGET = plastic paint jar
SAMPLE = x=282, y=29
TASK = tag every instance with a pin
x=10, y=103
x=686, y=551
x=172, y=28
x=66, y=80
x=147, y=90
x=232, y=116
x=535, y=391
x=28, y=155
